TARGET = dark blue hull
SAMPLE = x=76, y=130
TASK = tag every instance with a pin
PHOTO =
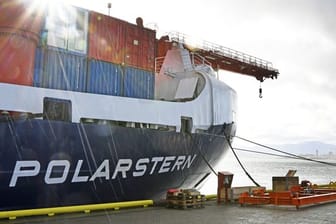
x=59, y=163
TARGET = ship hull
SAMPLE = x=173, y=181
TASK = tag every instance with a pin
x=52, y=163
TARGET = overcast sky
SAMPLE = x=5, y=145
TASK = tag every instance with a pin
x=298, y=36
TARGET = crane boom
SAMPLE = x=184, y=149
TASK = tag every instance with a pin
x=222, y=57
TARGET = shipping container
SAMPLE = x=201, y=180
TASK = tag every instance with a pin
x=106, y=38
x=57, y=69
x=138, y=83
x=21, y=15
x=66, y=27
x=140, y=47
x=105, y=78
x=20, y=25
x=120, y=42
x=39, y=67
x=16, y=58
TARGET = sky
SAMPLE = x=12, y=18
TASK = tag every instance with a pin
x=297, y=36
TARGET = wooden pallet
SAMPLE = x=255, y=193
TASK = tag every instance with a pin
x=184, y=199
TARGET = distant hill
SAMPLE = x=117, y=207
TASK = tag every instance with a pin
x=308, y=147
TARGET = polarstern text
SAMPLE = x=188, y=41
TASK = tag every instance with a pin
x=58, y=171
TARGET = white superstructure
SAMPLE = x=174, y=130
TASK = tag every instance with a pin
x=183, y=91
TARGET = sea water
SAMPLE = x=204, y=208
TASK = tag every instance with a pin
x=263, y=167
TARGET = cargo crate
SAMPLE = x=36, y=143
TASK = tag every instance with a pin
x=183, y=199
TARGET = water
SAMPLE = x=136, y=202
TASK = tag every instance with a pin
x=263, y=167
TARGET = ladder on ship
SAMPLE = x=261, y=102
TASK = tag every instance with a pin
x=225, y=58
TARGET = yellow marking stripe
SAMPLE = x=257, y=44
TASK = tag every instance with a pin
x=70, y=209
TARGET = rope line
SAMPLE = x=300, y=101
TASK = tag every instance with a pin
x=203, y=157
x=241, y=165
x=287, y=153
x=264, y=153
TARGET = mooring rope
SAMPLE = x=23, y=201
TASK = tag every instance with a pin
x=241, y=165
x=264, y=153
x=202, y=155
x=286, y=153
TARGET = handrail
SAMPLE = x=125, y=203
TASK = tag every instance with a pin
x=221, y=50
x=196, y=59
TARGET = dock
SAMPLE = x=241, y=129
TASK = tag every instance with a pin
x=211, y=213
x=247, y=204
x=287, y=203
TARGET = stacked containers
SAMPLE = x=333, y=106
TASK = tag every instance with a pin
x=119, y=60
x=61, y=61
x=20, y=25
x=127, y=49
x=139, y=58
x=106, y=53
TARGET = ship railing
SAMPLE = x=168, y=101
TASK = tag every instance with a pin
x=197, y=59
x=220, y=50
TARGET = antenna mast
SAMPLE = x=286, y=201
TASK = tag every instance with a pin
x=109, y=6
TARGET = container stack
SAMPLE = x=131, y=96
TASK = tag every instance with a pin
x=184, y=198
x=85, y=51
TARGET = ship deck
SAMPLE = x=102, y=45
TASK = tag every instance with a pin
x=211, y=213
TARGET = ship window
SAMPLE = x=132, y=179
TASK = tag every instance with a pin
x=186, y=89
x=56, y=109
x=186, y=124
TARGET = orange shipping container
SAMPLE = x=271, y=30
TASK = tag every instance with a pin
x=20, y=26
x=140, y=47
x=21, y=14
x=106, y=38
x=120, y=42
x=17, y=54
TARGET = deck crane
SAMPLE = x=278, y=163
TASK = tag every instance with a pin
x=220, y=57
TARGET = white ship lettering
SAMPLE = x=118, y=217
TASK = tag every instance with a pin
x=58, y=171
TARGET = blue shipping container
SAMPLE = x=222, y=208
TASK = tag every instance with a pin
x=105, y=78
x=138, y=83
x=38, y=68
x=57, y=69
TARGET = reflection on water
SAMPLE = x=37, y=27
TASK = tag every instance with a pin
x=262, y=168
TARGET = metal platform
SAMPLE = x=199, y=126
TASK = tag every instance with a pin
x=297, y=196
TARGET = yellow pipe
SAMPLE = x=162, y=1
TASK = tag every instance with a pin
x=70, y=209
x=210, y=196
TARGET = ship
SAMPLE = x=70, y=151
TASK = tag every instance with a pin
x=95, y=109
